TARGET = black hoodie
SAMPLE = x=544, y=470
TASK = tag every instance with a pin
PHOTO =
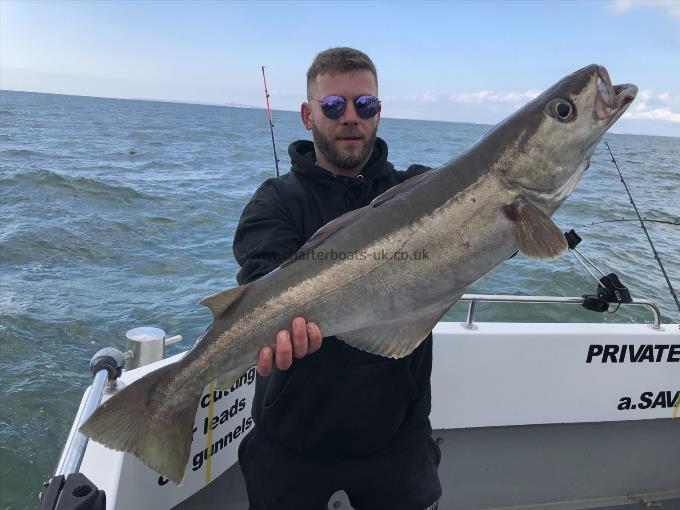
x=340, y=400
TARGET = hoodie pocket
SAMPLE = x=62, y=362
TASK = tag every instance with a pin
x=341, y=411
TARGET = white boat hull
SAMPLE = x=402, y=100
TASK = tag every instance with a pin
x=527, y=416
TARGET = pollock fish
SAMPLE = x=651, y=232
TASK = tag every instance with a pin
x=414, y=250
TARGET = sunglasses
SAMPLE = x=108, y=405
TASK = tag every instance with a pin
x=333, y=107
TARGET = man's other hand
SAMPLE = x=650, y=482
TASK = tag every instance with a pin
x=306, y=340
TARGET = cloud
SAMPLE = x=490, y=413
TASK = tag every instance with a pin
x=492, y=105
x=645, y=95
x=665, y=97
x=490, y=96
x=654, y=114
x=649, y=105
x=479, y=97
x=672, y=7
x=425, y=97
x=428, y=97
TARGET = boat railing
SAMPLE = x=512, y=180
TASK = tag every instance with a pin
x=106, y=366
x=504, y=298
x=74, y=448
x=144, y=346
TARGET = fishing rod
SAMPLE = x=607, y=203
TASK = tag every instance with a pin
x=271, y=124
x=644, y=228
x=675, y=222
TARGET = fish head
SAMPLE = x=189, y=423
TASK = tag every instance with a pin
x=553, y=136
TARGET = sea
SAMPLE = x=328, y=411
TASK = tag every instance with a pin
x=117, y=213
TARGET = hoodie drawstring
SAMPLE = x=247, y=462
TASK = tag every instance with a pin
x=357, y=191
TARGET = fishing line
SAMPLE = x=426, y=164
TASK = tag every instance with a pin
x=675, y=222
x=644, y=228
x=271, y=124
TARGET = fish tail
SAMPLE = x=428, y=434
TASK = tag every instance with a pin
x=148, y=421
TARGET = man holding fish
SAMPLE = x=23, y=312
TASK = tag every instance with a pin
x=354, y=414
x=343, y=418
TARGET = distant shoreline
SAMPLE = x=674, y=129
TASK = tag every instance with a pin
x=149, y=100
x=245, y=106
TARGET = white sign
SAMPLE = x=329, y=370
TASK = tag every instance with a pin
x=518, y=374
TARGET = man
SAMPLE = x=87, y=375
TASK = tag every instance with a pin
x=328, y=416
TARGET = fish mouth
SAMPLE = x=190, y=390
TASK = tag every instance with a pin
x=611, y=100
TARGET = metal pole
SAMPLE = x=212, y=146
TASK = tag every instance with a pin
x=74, y=449
x=471, y=315
x=500, y=298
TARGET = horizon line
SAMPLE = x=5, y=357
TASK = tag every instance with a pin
x=245, y=106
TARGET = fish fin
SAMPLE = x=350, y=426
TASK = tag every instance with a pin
x=396, y=339
x=322, y=234
x=399, y=188
x=537, y=235
x=222, y=301
x=140, y=419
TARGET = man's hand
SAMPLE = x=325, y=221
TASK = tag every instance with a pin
x=306, y=340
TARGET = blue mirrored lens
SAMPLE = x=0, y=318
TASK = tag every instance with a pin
x=333, y=106
x=366, y=106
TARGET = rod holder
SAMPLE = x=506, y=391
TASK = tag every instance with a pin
x=146, y=345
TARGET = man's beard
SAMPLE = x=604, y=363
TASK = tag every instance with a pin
x=347, y=160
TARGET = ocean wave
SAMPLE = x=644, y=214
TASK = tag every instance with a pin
x=159, y=220
x=19, y=153
x=83, y=186
x=6, y=113
x=57, y=245
x=162, y=165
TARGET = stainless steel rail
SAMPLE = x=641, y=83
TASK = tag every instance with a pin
x=75, y=445
x=147, y=345
x=500, y=298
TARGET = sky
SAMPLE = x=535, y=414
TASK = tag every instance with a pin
x=450, y=61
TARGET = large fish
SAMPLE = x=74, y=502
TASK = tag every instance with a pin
x=381, y=277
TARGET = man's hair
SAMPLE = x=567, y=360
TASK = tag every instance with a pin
x=340, y=60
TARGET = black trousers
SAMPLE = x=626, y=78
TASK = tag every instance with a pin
x=279, y=479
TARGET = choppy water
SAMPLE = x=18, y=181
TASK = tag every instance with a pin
x=95, y=241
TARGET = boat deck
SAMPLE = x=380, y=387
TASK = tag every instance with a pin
x=556, y=467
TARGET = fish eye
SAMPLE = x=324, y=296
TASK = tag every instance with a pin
x=561, y=109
